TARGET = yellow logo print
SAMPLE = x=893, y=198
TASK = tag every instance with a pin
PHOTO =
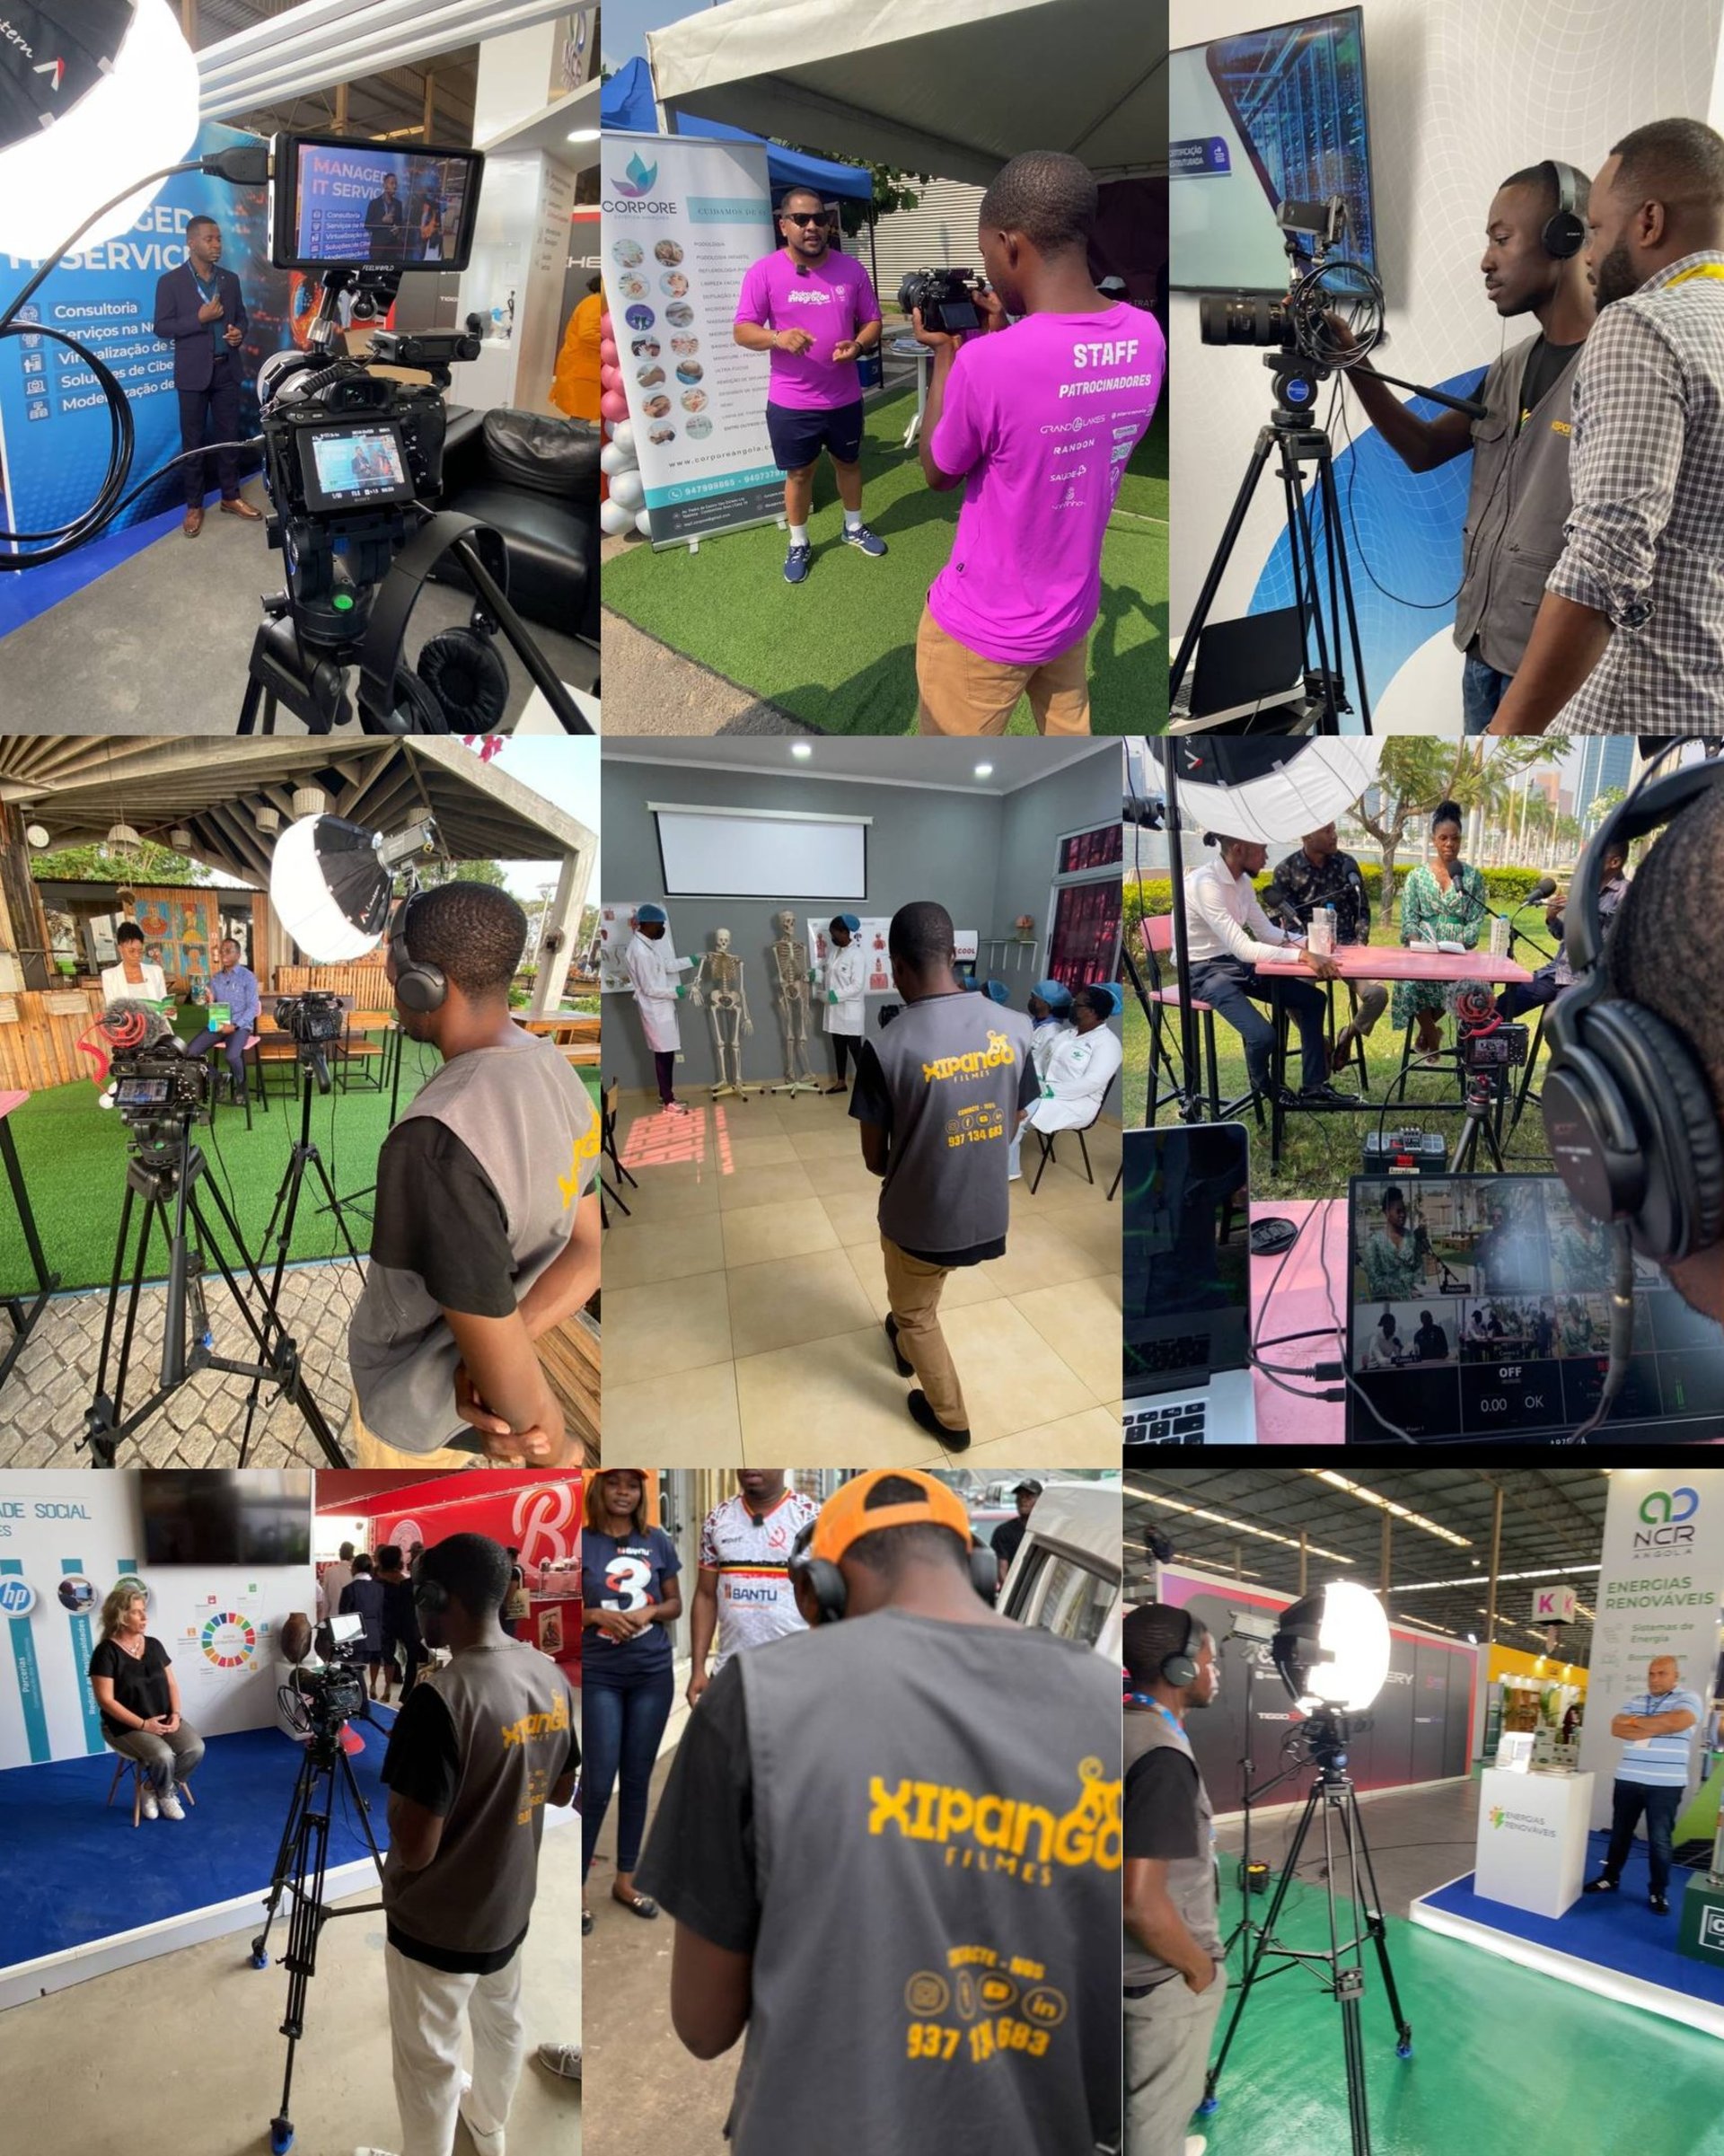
x=1011, y=1831
x=584, y=1148
x=969, y=1065
x=532, y=1727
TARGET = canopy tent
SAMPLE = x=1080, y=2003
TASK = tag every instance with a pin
x=628, y=104
x=952, y=87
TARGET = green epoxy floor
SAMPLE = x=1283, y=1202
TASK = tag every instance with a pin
x=1504, y=2060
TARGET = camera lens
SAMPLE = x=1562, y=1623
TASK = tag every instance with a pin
x=1241, y=318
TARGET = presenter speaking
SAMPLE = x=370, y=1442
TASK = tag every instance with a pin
x=198, y=309
x=1657, y=1727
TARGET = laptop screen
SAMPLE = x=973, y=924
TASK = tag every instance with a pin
x=1187, y=1255
x=1478, y=1306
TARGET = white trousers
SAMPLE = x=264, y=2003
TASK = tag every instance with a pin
x=427, y=2009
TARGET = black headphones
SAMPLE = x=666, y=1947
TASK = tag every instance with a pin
x=429, y=1593
x=1627, y=1106
x=418, y=987
x=1565, y=229
x=1180, y=1667
x=831, y=1597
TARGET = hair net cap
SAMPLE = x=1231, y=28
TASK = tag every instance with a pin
x=1109, y=990
x=1055, y=994
x=852, y=922
x=997, y=990
x=651, y=913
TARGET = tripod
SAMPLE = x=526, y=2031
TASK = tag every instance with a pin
x=165, y=1173
x=301, y=1862
x=1483, y=1095
x=1343, y=1960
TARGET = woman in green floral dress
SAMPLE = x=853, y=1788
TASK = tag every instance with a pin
x=1441, y=903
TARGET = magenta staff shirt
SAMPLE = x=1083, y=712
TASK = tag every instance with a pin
x=1043, y=418
x=831, y=301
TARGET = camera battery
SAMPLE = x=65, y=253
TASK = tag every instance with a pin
x=1404, y=1153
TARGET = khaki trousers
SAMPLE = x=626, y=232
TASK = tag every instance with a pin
x=961, y=692
x=365, y=1450
x=913, y=1289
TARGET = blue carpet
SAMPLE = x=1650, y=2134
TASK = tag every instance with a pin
x=1616, y=1930
x=72, y=1870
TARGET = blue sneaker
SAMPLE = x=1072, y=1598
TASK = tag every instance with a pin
x=795, y=564
x=867, y=543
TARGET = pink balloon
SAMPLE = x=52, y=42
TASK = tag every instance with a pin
x=604, y=323
x=614, y=404
x=608, y=351
x=611, y=377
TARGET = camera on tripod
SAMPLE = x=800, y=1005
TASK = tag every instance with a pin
x=1294, y=329
x=158, y=1090
x=946, y=298
x=311, y=1019
x=1487, y=1043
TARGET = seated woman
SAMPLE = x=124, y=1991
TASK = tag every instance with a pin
x=1080, y=1067
x=134, y=976
x=1444, y=903
x=137, y=1697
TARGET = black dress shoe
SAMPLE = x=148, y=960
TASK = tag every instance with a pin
x=905, y=1369
x=1326, y=1097
x=954, y=1441
x=1603, y=1885
x=1658, y=1904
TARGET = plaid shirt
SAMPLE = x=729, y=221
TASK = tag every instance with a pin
x=1645, y=538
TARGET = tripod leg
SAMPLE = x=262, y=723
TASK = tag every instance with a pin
x=136, y=1289
x=362, y=1812
x=1300, y=537
x=1236, y=524
x=1378, y=1931
x=284, y=1861
x=1332, y=512
x=1289, y=1869
x=1350, y=1975
x=113, y=1287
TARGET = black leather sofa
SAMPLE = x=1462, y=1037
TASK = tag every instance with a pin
x=536, y=480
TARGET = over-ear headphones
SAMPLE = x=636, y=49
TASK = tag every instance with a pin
x=429, y=1593
x=1180, y=1667
x=845, y=1518
x=1564, y=231
x=419, y=986
x=1627, y=1106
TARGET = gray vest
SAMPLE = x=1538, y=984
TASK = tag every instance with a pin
x=1515, y=513
x=526, y=1119
x=1191, y=1881
x=937, y=1854
x=513, y=1713
x=953, y=1067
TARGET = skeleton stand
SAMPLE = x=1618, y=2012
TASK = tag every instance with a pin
x=789, y=956
x=718, y=984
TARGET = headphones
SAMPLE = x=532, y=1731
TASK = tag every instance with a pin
x=826, y=1581
x=459, y=685
x=1627, y=1106
x=1564, y=233
x=429, y=1594
x=418, y=987
x=1180, y=1667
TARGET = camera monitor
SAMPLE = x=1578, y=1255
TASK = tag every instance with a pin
x=355, y=464
x=1479, y=1308
x=1257, y=118
x=141, y=1092
x=338, y=204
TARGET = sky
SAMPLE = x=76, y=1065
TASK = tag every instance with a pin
x=567, y=773
x=624, y=25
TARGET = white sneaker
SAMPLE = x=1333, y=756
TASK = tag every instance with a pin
x=172, y=1807
x=1195, y=2144
x=488, y=2145
x=150, y=1811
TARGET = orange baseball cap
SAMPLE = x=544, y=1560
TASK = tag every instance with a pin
x=846, y=1514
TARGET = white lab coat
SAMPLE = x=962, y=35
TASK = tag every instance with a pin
x=1045, y=1039
x=1079, y=1071
x=846, y=971
x=654, y=972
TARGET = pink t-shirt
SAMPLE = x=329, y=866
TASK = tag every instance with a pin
x=831, y=301
x=1041, y=416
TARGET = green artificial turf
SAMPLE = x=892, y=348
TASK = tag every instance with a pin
x=839, y=650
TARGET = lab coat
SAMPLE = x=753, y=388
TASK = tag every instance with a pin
x=1079, y=1071
x=653, y=970
x=845, y=972
x=1045, y=1039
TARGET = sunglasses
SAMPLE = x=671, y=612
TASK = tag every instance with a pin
x=803, y=216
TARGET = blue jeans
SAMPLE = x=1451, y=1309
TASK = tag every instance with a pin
x=621, y=1728
x=1628, y=1799
x=232, y=1045
x=1482, y=689
x=1229, y=984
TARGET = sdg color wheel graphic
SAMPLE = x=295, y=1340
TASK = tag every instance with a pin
x=228, y=1639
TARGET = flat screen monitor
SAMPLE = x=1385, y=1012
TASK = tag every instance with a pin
x=1478, y=1308
x=1187, y=1254
x=357, y=464
x=337, y=204
x=223, y=1516
x=1255, y=120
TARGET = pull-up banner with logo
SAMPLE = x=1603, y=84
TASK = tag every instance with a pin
x=683, y=219
x=1659, y=1587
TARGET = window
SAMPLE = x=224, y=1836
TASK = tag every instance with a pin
x=1085, y=907
x=1086, y=849
x=1064, y=1597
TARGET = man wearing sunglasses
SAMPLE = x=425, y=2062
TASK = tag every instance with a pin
x=814, y=312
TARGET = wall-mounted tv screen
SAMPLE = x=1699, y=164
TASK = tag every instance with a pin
x=225, y=1516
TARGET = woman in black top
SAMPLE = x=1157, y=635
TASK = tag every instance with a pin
x=401, y=1619
x=137, y=1697
x=364, y=1593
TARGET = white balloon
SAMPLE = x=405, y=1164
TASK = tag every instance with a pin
x=613, y=518
x=627, y=489
x=623, y=435
x=612, y=460
x=643, y=523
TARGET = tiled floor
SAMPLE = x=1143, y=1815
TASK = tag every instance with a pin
x=744, y=1295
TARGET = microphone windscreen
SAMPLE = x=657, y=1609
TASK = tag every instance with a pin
x=129, y=1023
x=1544, y=887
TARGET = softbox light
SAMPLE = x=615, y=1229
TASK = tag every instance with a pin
x=331, y=887
x=1332, y=1649
x=1271, y=791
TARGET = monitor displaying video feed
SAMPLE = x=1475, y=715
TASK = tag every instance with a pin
x=1255, y=120
x=1478, y=1306
x=223, y=1516
x=1186, y=1254
x=353, y=465
x=337, y=204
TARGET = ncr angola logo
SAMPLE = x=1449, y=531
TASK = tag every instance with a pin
x=1667, y=1521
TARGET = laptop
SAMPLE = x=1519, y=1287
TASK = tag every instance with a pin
x=1187, y=1279
x=1249, y=676
x=1478, y=1311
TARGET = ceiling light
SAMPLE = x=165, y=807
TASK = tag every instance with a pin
x=123, y=839
x=309, y=801
x=984, y=771
x=1332, y=1649
x=179, y=839
x=1540, y=1571
x=268, y=821
x=1241, y=1527
x=583, y=135
x=802, y=751
x=1386, y=1504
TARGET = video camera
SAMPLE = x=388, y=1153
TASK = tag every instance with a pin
x=1487, y=1043
x=158, y=1091
x=1294, y=329
x=311, y=1020
x=946, y=298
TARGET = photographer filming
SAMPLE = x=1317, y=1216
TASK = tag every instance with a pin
x=487, y=1231
x=478, y=1748
x=1008, y=410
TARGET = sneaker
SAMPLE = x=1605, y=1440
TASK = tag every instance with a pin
x=797, y=563
x=487, y=2144
x=1195, y=2144
x=172, y=1807
x=1603, y=1885
x=1658, y=1904
x=562, y=2058
x=677, y=1108
x=151, y=1809
x=864, y=540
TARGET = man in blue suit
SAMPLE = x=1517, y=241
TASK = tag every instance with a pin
x=198, y=308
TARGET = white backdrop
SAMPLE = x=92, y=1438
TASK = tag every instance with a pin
x=1461, y=93
x=60, y=1527
x=1658, y=1590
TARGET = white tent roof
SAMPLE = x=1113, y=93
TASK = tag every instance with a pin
x=948, y=87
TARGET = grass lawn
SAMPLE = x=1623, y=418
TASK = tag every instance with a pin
x=1320, y=1152
x=844, y=659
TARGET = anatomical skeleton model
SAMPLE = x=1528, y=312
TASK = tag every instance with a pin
x=789, y=959
x=718, y=985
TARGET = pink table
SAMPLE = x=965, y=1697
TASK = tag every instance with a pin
x=1299, y=1301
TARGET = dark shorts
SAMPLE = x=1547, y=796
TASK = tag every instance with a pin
x=799, y=437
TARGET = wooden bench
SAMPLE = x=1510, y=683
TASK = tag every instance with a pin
x=569, y=1355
